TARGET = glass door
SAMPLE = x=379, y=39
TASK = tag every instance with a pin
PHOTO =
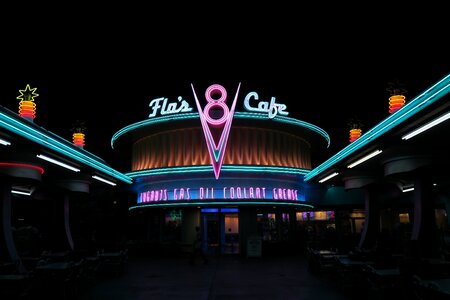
x=231, y=233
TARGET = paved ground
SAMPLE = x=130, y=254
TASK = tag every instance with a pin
x=225, y=277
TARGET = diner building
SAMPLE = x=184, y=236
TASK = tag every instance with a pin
x=230, y=162
x=236, y=164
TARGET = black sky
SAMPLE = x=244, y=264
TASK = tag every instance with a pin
x=106, y=77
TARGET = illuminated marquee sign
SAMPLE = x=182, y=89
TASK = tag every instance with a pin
x=216, y=96
x=221, y=193
x=216, y=116
x=272, y=108
x=164, y=108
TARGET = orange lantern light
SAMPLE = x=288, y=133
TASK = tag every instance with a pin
x=396, y=102
x=78, y=139
x=354, y=134
x=397, y=98
x=27, y=107
x=78, y=135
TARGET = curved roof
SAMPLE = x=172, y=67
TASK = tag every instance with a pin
x=314, y=134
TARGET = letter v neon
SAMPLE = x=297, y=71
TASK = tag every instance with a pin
x=216, y=151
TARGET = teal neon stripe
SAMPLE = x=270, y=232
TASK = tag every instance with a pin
x=428, y=97
x=45, y=140
x=237, y=115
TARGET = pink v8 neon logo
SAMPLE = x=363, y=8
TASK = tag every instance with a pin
x=216, y=96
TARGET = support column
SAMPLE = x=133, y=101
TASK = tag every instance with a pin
x=424, y=235
x=248, y=227
x=190, y=219
x=447, y=209
x=372, y=220
x=67, y=221
x=8, y=249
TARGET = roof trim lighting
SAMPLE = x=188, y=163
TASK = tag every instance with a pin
x=12, y=123
x=237, y=115
x=57, y=162
x=367, y=157
x=104, y=180
x=426, y=126
x=420, y=102
x=328, y=177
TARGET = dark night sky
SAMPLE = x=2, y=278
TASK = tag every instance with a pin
x=108, y=81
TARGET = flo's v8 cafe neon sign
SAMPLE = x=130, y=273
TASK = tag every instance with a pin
x=214, y=122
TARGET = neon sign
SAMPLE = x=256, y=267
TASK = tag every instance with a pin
x=272, y=108
x=216, y=117
x=160, y=105
x=227, y=192
x=216, y=150
x=27, y=107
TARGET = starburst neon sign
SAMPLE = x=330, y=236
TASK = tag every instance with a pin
x=27, y=107
x=216, y=96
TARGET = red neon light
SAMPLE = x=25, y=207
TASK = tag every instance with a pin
x=8, y=164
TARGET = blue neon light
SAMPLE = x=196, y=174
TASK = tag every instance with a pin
x=62, y=146
x=223, y=209
x=210, y=210
x=229, y=209
x=428, y=97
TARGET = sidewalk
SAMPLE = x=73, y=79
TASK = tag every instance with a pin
x=224, y=277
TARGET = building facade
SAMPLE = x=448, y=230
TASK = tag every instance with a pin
x=229, y=162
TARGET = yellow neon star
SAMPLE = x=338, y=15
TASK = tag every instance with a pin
x=27, y=94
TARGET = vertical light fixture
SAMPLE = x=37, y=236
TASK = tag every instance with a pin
x=397, y=98
x=355, y=129
x=27, y=107
x=78, y=135
x=354, y=134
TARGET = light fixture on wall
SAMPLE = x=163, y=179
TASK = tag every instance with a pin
x=426, y=126
x=408, y=189
x=328, y=177
x=4, y=142
x=103, y=180
x=367, y=157
x=26, y=193
x=57, y=162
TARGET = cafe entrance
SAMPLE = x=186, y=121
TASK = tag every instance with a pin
x=220, y=229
